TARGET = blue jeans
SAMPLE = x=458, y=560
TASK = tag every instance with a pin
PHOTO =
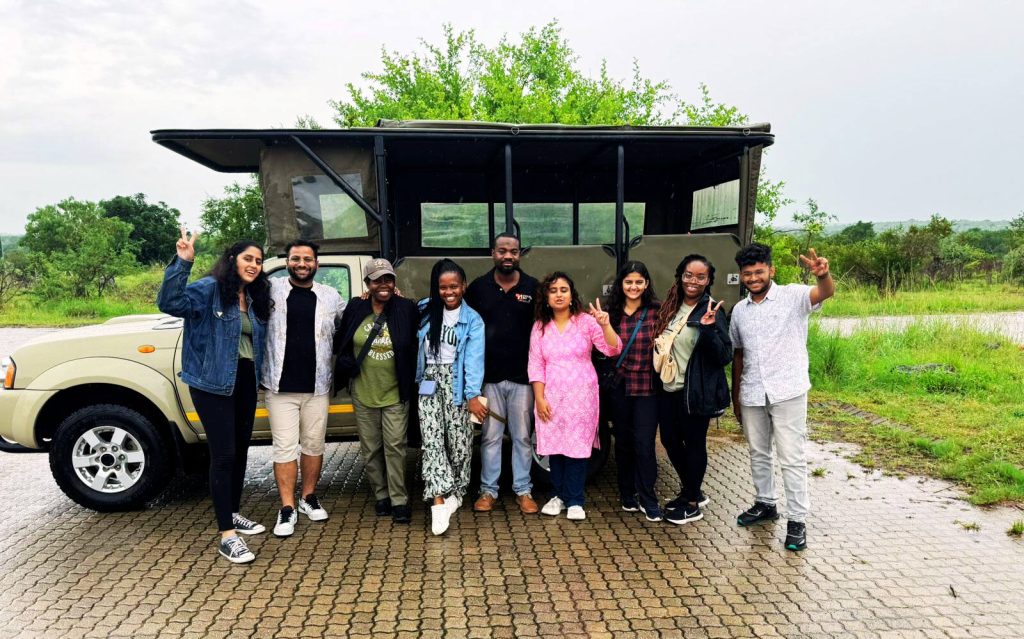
x=514, y=402
x=568, y=477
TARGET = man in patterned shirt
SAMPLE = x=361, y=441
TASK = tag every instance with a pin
x=297, y=373
x=770, y=381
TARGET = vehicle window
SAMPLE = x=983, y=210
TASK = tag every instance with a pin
x=716, y=206
x=335, y=275
x=597, y=221
x=541, y=224
x=324, y=211
x=462, y=225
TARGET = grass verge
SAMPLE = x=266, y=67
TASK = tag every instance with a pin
x=965, y=297
x=961, y=421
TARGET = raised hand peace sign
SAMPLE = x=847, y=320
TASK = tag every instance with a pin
x=186, y=245
x=598, y=314
x=709, y=316
x=817, y=265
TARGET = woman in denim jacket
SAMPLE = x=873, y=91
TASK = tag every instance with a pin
x=225, y=317
x=450, y=372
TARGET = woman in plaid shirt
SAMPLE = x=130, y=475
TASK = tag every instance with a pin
x=632, y=303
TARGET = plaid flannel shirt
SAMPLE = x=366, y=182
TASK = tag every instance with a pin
x=637, y=369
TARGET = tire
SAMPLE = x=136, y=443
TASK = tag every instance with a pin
x=110, y=458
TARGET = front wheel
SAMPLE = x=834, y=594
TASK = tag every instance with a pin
x=110, y=458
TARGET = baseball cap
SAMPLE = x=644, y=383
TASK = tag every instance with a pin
x=377, y=268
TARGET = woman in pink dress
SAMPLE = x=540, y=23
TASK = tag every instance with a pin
x=565, y=386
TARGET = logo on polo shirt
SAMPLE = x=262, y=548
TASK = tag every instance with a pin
x=524, y=298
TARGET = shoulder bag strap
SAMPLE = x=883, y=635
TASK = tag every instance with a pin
x=374, y=331
x=632, y=338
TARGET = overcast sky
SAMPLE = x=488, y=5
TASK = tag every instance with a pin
x=881, y=110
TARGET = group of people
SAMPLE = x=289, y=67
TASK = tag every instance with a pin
x=505, y=351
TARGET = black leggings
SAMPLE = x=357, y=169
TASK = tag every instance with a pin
x=227, y=420
x=685, y=438
x=636, y=426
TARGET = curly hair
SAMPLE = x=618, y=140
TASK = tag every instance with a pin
x=754, y=253
x=617, y=297
x=675, y=296
x=544, y=313
x=434, y=312
x=225, y=272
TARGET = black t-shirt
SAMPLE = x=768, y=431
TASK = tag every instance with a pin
x=508, y=318
x=298, y=374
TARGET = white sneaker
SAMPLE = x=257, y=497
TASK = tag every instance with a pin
x=576, y=513
x=454, y=502
x=554, y=507
x=285, y=525
x=310, y=507
x=440, y=517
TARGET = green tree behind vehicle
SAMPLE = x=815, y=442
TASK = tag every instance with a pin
x=76, y=249
x=238, y=215
x=154, y=225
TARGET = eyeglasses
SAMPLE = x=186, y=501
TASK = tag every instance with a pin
x=690, y=277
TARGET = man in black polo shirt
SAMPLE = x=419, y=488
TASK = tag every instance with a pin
x=504, y=298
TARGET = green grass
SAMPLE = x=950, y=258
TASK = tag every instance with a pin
x=966, y=426
x=854, y=300
x=133, y=294
x=1017, y=529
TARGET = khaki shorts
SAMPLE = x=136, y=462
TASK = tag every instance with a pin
x=298, y=423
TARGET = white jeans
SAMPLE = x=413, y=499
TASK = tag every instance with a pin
x=786, y=423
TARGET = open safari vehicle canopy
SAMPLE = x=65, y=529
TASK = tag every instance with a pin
x=581, y=198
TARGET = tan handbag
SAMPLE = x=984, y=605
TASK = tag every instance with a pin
x=664, y=363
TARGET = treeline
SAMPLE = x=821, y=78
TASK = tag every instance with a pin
x=77, y=248
x=905, y=258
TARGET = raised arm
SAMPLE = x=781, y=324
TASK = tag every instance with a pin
x=175, y=296
x=826, y=287
x=611, y=344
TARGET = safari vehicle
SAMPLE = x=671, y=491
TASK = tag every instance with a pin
x=106, y=401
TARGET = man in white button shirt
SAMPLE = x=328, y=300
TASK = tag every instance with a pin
x=770, y=381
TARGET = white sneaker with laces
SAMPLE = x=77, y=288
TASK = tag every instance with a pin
x=454, y=502
x=554, y=507
x=246, y=526
x=310, y=507
x=576, y=513
x=285, y=525
x=440, y=517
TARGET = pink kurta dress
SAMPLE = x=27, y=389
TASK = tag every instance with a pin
x=562, y=362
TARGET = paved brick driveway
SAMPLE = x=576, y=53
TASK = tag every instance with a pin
x=887, y=558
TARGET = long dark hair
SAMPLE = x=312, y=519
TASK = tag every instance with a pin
x=617, y=298
x=225, y=272
x=544, y=313
x=675, y=294
x=435, y=305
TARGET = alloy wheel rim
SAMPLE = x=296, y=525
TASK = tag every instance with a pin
x=108, y=459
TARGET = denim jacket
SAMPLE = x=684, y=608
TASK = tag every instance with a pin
x=468, y=369
x=209, y=354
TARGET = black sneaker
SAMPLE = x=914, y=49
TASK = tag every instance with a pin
x=401, y=514
x=652, y=513
x=245, y=525
x=630, y=505
x=796, y=535
x=383, y=507
x=757, y=513
x=680, y=501
x=683, y=514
